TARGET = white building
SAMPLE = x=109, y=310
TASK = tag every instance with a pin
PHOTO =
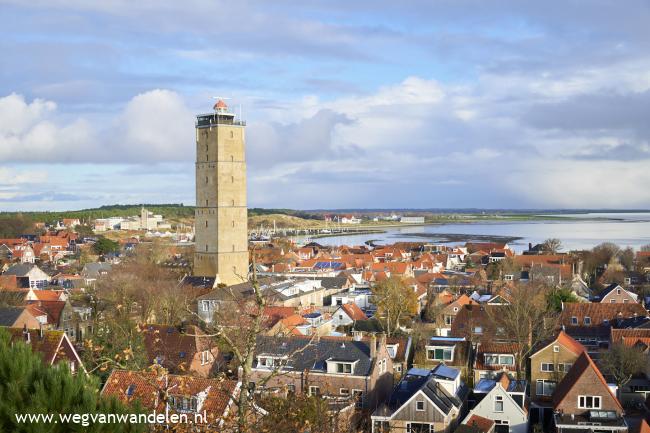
x=412, y=220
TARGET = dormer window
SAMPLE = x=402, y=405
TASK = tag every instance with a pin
x=392, y=350
x=440, y=353
x=499, y=359
x=344, y=368
x=340, y=367
x=270, y=361
x=183, y=403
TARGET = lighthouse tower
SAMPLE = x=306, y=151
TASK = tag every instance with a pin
x=221, y=215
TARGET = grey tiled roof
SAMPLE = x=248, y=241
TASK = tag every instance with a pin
x=8, y=315
x=312, y=355
x=415, y=381
x=20, y=270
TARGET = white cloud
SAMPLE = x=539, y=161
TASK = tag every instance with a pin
x=154, y=126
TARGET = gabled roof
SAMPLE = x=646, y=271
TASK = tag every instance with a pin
x=353, y=311
x=48, y=346
x=146, y=387
x=20, y=270
x=173, y=349
x=311, y=354
x=417, y=380
x=566, y=341
x=580, y=366
x=9, y=315
x=599, y=313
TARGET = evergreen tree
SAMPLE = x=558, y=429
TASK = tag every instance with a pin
x=29, y=386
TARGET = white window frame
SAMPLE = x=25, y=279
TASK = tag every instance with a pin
x=498, y=399
x=314, y=391
x=344, y=391
x=417, y=406
x=547, y=365
x=574, y=320
x=443, y=348
x=587, y=321
x=556, y=349
x=582, y=401
x=205, y=357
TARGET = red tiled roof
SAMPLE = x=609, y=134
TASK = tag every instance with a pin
x=8, y=282
x=598, y=312
x=618, y=335
x=569, y=343
x=174, y=349
x=354, y=312
x=47, y=345
x=483, y=424
x=53, y=309
x=148, y=388
x=582, y=364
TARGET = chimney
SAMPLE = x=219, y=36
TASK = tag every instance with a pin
x=26, y=335
x=373, y=346
x=382, y=340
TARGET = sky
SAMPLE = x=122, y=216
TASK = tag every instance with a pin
x=349, y=104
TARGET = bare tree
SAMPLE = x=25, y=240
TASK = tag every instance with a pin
x=394, y=300
x=526, y=320
x=552, y=245
x=622, y=363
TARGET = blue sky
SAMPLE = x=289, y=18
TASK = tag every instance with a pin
x=371, y=103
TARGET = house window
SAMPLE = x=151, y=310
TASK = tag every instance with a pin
x=548, y=367
x=556, y=349
x=344, y=368
x=618, y=291
x=612, y=301
x=508, y=277
x=449, y=320
x=205, y=305
x=564, y=368
x=587, y=320
x=419, y=406
x=205, y=357
x=478, y=330
x=545, y=387
x=314, y=391
x=440, y=353
x=574, y=320
x=494, y=359
x=344, y=391
x=498, y=403
x=291, y=388
x=588, y=402
x=418, y=427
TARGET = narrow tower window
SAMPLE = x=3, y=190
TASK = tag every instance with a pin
x=232, y=179
x=206, y=180
x=206, y=223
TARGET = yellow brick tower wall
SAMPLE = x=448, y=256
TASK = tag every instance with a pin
x=221, y=225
